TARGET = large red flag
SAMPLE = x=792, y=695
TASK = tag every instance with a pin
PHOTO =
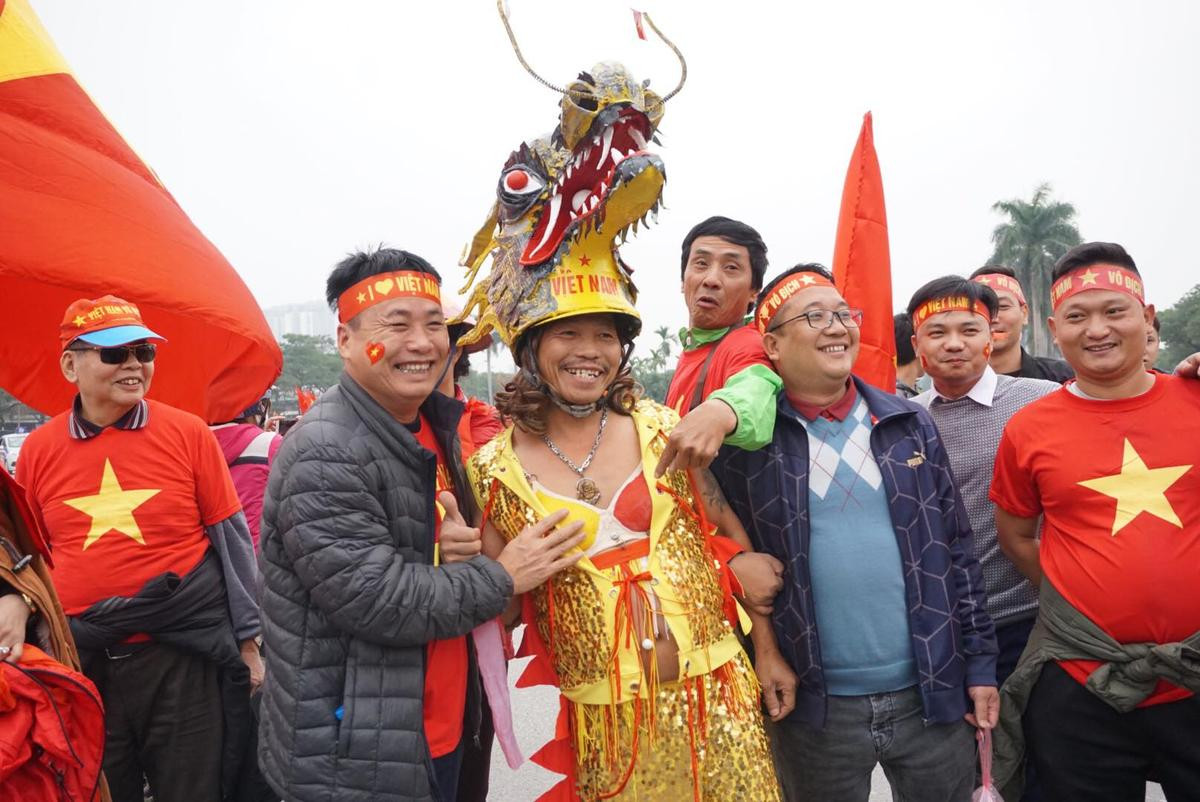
x=862, y=267
x=82, y=216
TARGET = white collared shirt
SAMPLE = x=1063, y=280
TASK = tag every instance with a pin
x=983, y=392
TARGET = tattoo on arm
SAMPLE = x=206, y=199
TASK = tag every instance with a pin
x=710, y=492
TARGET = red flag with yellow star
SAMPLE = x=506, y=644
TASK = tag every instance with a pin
x=862, y=266
x=83, y=216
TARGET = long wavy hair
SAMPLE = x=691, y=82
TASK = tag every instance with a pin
x=524, y=399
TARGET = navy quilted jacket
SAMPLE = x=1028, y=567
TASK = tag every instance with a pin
x=952, y=635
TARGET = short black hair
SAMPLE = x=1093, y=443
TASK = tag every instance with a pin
x=1003, y=270
x=902, y=329
x=1157, y=326
x=948, y=286
x=802, y=267
x=364, y=264
x=734, y=231
x=462, y=366
x=1092, y=253
x=462, y=362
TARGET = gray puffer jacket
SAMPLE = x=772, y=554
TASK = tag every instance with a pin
x=350, y=599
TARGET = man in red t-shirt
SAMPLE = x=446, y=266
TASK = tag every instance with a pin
x=1112, y=464
x=480, y=420
x=152, y=561
x=724, y=387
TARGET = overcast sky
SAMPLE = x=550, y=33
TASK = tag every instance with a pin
x=292, y=132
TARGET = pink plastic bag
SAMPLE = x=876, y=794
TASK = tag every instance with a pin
x=986, y=792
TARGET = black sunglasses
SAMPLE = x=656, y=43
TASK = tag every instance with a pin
x=117, y=354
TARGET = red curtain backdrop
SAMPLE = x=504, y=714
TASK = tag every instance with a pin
x=862, y=267
x=82, y=216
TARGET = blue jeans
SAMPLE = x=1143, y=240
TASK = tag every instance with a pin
x=923, y=763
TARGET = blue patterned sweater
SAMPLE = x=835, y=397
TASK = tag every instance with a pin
x=953, y=638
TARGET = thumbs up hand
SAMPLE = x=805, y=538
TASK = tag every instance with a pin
x=456, y=541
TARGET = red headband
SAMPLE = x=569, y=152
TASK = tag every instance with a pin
x=385, y=287
x=781, y=292
x=999, y=281
x=1097, y=277
x=949, y=303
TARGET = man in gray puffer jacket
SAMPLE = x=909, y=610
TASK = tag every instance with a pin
x=361, y=572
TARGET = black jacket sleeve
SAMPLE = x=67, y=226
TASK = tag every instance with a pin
x=336, y=533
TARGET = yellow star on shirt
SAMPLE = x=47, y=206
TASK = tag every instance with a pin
x=112, y=508
x=1089, y=277
x=1139, y=489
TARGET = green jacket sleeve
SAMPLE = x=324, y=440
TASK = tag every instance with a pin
x=751, y=393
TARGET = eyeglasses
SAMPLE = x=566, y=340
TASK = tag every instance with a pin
x=118, y=354
x=821, y=319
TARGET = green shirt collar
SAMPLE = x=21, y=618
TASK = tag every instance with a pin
x=697, y=338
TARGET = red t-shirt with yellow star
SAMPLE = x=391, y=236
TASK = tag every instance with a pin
x=1119, y=485
x=446, y=660
x=126, y=505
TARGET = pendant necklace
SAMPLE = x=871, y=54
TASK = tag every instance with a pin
x=585, y=488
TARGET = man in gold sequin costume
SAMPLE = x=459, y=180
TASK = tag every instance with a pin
x=659, y=702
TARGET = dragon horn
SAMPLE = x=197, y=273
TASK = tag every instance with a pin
x=653, y=27
x=517, y=49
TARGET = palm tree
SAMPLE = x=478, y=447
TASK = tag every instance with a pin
x=651, y=371
x=1036, y=233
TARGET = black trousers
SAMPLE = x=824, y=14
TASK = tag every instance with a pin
x=1085, y=751
x=1011, y=638
x=163, y=721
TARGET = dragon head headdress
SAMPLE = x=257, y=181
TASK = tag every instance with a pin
x=564, y=201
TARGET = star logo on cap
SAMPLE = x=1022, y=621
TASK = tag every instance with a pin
x=111, y=508
x=1089, y=277
x=1138, y=488
x=79, y=321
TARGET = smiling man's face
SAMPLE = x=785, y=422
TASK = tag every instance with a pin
x=807, y=357
x=395, y=351
x=717, y=283
x=1102, y=334
x=954, y=348
x=106, y=388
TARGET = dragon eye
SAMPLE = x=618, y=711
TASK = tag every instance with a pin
x=522, y=182
x=517, y=180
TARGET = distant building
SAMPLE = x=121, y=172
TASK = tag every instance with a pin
x=312, y=319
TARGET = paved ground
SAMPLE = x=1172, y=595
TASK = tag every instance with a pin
x=534, y=711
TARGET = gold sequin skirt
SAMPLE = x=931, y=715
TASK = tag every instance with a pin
x=699, y=739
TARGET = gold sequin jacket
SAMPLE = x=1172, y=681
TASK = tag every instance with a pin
x=576, y=613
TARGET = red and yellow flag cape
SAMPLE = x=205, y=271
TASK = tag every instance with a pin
x=82, y=216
